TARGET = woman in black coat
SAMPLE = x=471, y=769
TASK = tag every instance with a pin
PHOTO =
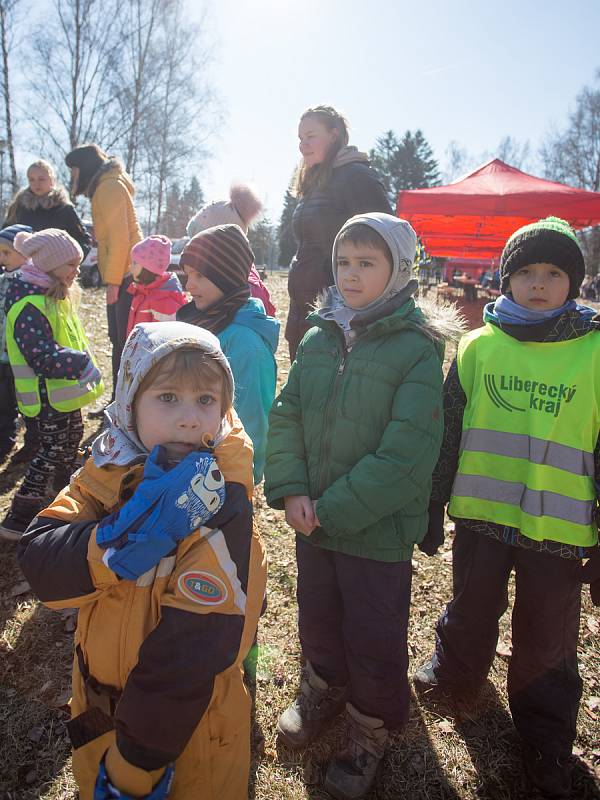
x=46, y=204
x=335, y=181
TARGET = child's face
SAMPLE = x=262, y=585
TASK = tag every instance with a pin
x=363, y=272
x=40, y=182
x=135, y=270
x=539, y=286
x=67, y=273
x=9, y=257
x=204, y=292
x=180, y=418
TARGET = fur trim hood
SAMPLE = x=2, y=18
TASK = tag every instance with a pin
x=113, y=164
x=57, y=196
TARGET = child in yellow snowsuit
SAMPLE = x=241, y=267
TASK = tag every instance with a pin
x=153, y=541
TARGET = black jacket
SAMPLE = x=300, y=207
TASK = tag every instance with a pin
x=51, y=211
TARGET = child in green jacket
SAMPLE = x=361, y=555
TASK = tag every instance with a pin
x=353, y=439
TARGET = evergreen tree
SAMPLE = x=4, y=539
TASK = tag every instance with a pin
x=285, y=235
x=407, y=163
x=262, y=238
x=180, y=208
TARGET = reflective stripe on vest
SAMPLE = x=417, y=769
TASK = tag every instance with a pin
x=63, y=394
x=538, y=451
x=530, y=428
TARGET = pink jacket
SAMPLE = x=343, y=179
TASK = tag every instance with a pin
x=260, y=291
x=155, y=302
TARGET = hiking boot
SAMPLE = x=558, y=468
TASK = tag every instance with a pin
x=312, y=710
x=352, y=772
x=20, y=514
x=424, y=678
x=551, y=775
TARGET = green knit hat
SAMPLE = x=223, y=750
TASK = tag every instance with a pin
x=549, y=241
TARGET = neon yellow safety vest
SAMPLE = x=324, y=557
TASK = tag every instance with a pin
x=530, y=428
x=63, y=395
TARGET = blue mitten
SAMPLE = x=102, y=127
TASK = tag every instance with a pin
x=104, y=790
x=167, y=506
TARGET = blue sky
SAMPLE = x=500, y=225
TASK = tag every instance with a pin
x=460, y=70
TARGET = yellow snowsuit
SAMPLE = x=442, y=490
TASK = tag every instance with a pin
x=170, y=644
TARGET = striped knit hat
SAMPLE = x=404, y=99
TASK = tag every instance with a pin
x=222, y=254
x=549, y=241
x=8, y=234
x=48, y=249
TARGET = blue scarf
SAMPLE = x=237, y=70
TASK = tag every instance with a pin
x=504, y=311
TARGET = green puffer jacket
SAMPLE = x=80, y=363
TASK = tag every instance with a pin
x=361, y=431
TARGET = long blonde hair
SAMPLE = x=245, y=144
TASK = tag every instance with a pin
x=58, y=291
x=318, y=175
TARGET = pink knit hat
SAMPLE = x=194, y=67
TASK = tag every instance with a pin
x=153, y=253
x=48, y=249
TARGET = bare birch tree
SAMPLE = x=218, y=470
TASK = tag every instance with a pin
x=7, y=11
x=74, y=52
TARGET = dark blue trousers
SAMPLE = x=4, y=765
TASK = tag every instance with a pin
x=544, y=687
x=353, y=622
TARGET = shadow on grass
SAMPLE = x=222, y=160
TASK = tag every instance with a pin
x=410, y=768
x=34, y=681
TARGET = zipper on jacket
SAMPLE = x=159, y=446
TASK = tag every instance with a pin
x=325, y=450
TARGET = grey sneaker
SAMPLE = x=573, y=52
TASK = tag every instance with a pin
x=352, y=772
x=424, y=678
x=312, y=710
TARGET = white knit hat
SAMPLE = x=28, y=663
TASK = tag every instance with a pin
x=48, y=249
x=241, y=208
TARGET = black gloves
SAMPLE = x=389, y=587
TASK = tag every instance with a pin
x=434, y=538
x=590, y=573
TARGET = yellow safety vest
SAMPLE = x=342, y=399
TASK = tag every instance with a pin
x=530, y=428
x=63, y=394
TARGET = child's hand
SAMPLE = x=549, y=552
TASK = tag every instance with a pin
x=299, y=513
x=314, y=505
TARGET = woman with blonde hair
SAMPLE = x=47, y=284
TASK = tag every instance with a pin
x=334, y=182
x=45, y=203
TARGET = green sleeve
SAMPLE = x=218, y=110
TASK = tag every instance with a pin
x=285, y=469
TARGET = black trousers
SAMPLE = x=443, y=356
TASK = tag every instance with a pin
x=56, y=458
x=353, y=622
x=118, y=315
x=9, y=413
x=8, y=410
x=544, y=687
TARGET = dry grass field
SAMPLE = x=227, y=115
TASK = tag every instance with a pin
x=445, y=752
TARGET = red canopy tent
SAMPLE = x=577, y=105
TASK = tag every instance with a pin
x=473, y=217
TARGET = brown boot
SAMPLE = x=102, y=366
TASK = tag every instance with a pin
x=21, y=513
x=352, y=772
x=312, y=710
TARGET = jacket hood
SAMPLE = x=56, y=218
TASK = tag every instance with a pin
x=349, y=155
x=252, y=315
x=56, y=197
x=113, y=168
x=440, y=322
x=148, y=343
x=401, y=240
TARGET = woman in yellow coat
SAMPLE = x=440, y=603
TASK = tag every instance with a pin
x=103, y=179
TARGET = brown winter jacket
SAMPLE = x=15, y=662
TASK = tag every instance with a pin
x=115, y=221
x=170, y=647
